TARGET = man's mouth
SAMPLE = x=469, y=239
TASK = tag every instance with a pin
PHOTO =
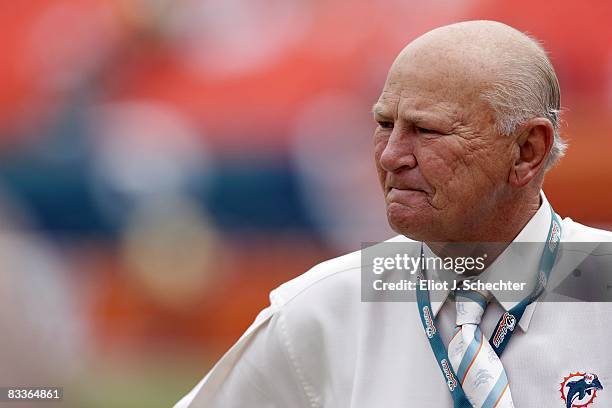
x=404, y=196
x=391, y=188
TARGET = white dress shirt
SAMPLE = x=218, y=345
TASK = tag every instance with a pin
x=319, y=345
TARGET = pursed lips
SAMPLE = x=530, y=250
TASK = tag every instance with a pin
x=410, y=183
x=403, y=188
x=405, y=192
x=405, y=196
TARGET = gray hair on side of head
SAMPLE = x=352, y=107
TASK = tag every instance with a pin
x=527, y=89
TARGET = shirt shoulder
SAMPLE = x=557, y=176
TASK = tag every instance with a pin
x=317, y=317
x=340, y=274
x=576, y=232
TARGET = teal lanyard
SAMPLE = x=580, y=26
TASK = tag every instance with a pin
x=508, y=321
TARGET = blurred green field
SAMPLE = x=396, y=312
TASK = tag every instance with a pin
x=153, y=382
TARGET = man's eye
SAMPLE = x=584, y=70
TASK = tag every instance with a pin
x=385, y=125
x=426, y=131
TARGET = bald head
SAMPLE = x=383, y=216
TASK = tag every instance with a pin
x=503, y=67
x=482, y=39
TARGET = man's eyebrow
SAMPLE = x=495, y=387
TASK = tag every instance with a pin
x=441, y=118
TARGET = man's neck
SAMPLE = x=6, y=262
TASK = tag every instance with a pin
x=510, y=219
x=494, y=234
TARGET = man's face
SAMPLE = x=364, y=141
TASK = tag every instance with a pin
x=440, y=161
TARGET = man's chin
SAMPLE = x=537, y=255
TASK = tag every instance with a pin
x=409, y=221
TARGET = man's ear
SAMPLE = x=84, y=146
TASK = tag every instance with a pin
x=534, y=144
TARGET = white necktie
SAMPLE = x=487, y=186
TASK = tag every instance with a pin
x=479, y=369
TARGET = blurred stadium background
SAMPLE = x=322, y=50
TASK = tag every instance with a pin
x=164, y=164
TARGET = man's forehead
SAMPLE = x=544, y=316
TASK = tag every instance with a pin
x=443, y=90
x=438, y=72
x=416, y=104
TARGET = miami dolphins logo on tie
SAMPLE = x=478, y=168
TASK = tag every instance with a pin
x=578, y=390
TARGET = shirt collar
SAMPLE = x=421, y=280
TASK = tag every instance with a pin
x=535, y=231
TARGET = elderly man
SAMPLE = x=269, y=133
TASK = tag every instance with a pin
x=467, y=127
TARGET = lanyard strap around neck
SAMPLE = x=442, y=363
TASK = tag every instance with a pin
x=506, y=324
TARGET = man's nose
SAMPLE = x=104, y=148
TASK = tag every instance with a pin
x=398, y=152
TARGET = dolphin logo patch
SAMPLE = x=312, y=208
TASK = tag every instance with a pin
x=578, y=390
